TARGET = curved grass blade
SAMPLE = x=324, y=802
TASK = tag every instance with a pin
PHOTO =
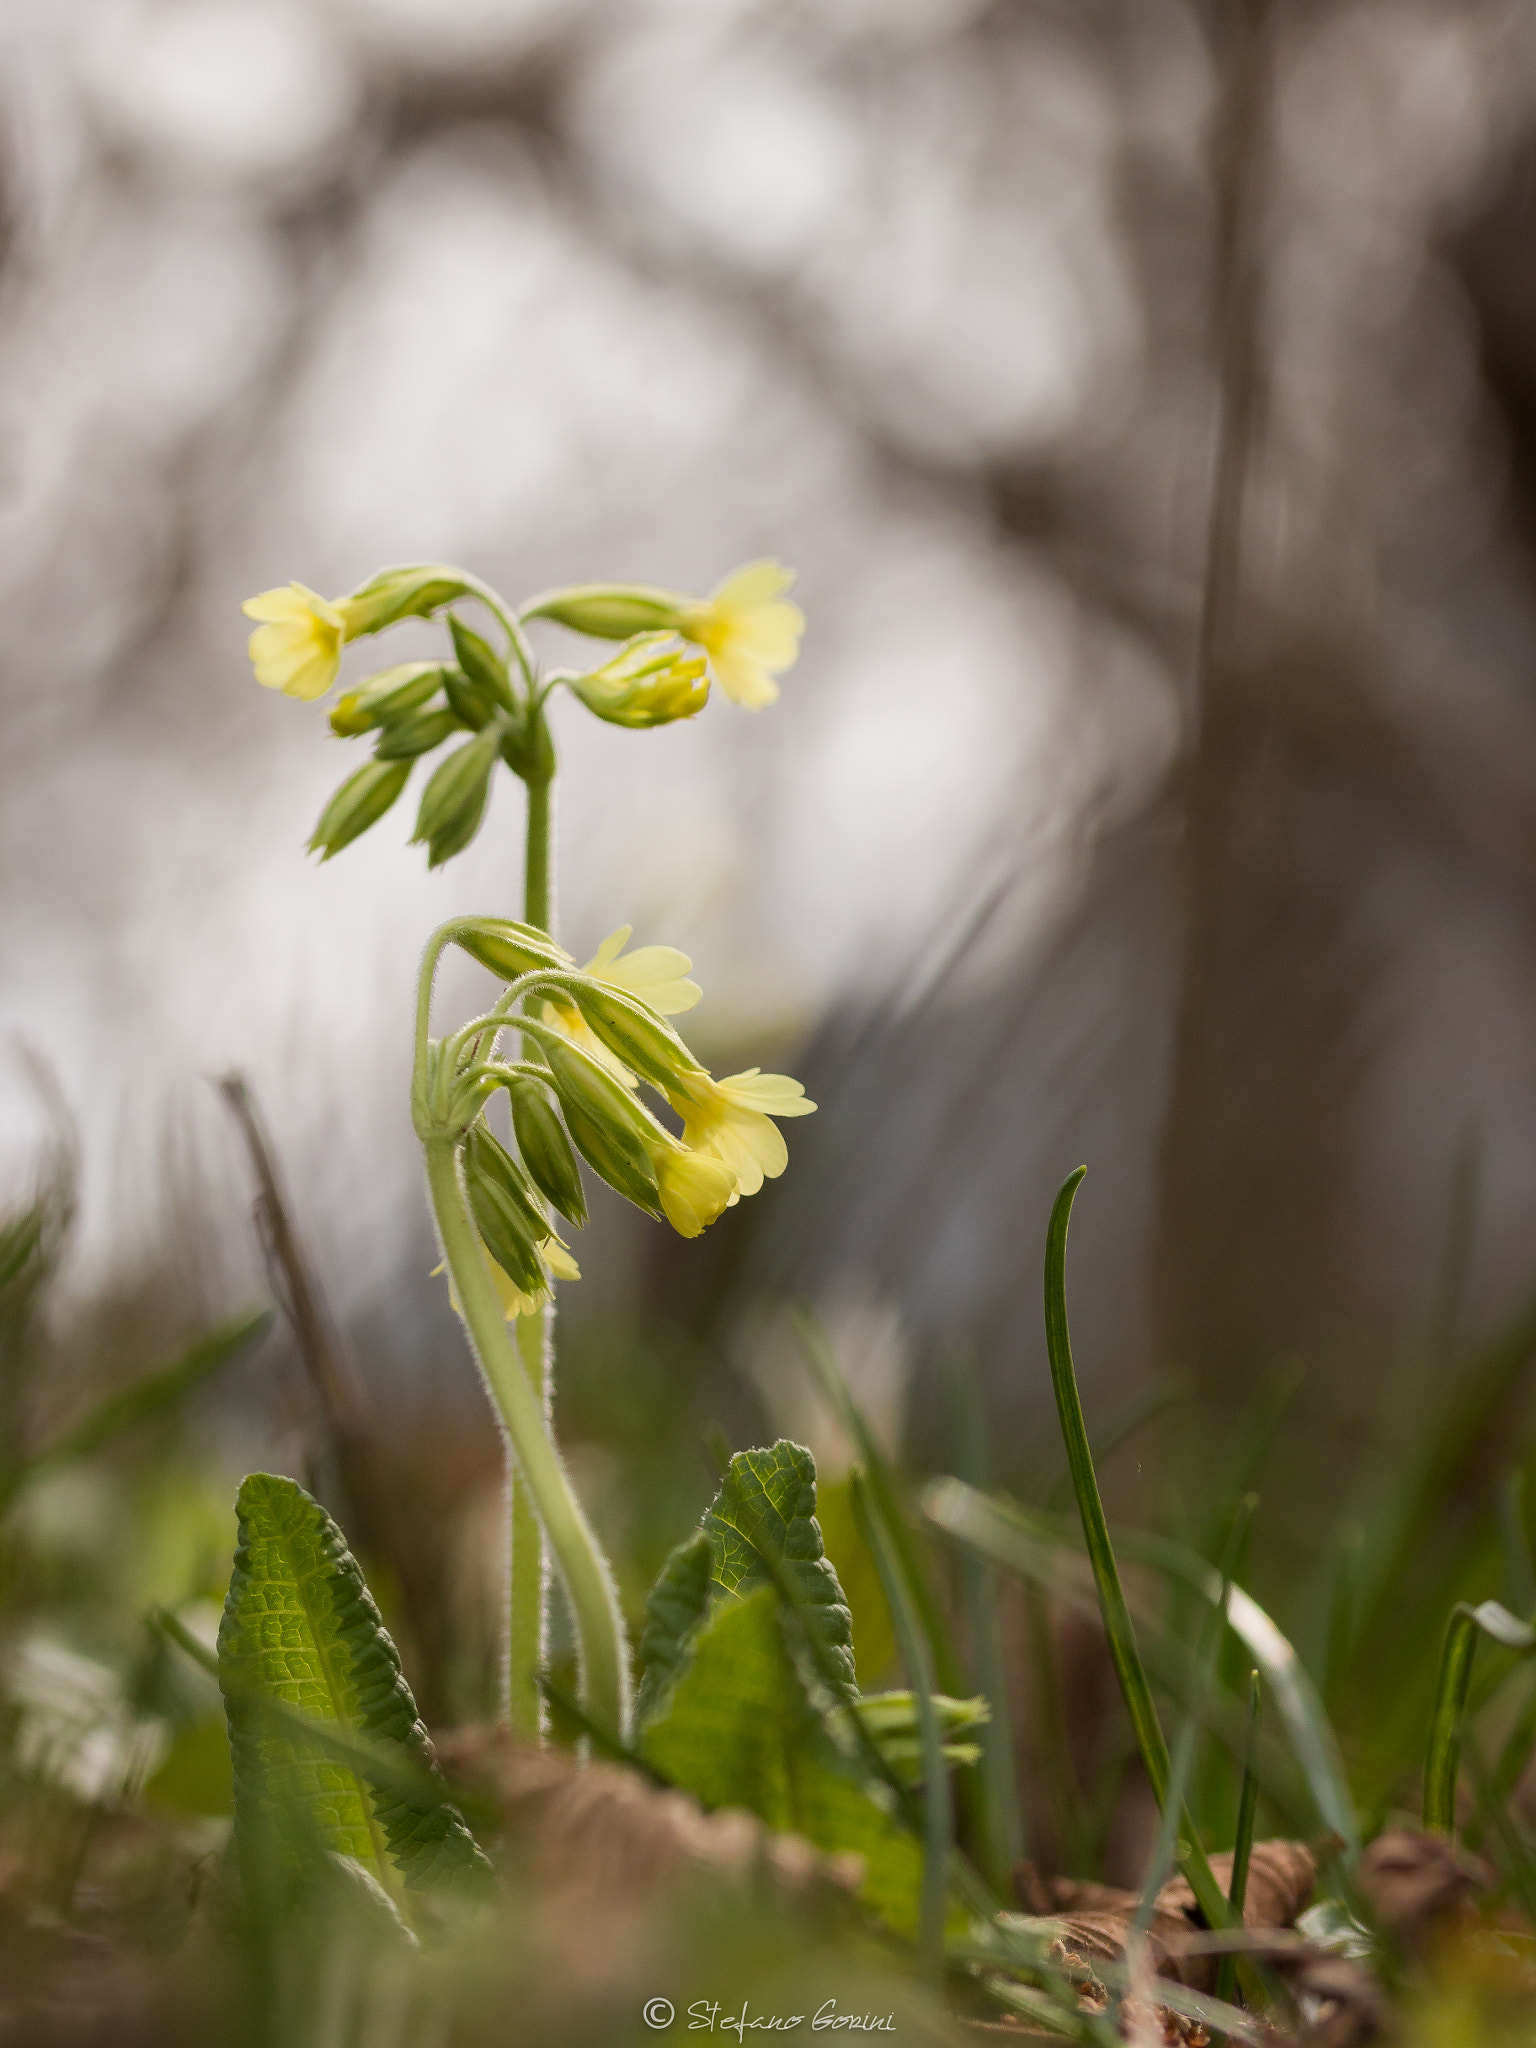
x=1447, y=1718
x=1124, y=1654
x=300, y=1631
x=938, y=1818
x=1005, y=1530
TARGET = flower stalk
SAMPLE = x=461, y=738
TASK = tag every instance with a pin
x=591, y=1037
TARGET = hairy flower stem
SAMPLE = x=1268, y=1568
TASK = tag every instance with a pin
x=528, y=1623
x=602, y=1648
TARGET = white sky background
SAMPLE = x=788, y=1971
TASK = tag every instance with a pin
x=801, y=242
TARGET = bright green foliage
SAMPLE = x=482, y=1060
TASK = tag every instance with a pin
x=300, y=1630
x=738, y=1729
x=762, y=1529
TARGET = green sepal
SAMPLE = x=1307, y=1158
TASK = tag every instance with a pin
x=472, y=706
x=300, y=1630
x=412, y=592
x=453, y=802
x=602, y=1118
x=528, y=749
x=392, y=693
x=509, y=949
x=545, y=1148
x=612, y=611
x=510, y=1226
x=634, y=1032
x=359, y=802
x=486, y=670
x=404, y=739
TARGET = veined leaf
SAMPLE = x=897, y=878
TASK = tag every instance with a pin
x=763, y=1522
x=300, y=1629
x=673, y=1612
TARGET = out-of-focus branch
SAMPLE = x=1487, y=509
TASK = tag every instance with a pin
x=339, y=1395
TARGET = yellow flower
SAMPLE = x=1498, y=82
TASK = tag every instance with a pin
x=514, y=1302
x=694, y=1189
x=656, y=974
x=730, y=1120
x=653, y=681
x=749, y=631
x=297, y=648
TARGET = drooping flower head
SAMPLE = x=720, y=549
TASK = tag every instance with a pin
x=297, y=647
x=731, y=1120
x=749, y=630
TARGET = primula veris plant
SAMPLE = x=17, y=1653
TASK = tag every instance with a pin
x=575, y=1050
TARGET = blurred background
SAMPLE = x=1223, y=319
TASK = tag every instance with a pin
x=1146, y=395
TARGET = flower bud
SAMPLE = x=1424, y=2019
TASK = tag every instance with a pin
x=405, y=738
x=510, y=1227
x=360, y=802
x=652, y=682
x=611, y=611
x=392, y=693
x=528, y=749
x=481, y=664
x=604, y=1120
x=546, y=1149
x=407, y=593
x=634, y=1033
x=472, y=705
x=453, y=802
x=509, y=949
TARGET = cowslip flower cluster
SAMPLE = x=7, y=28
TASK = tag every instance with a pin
x=591, y=1037
x=746, y=633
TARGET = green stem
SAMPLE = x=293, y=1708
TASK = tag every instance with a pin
x=528, y=1626
x=602, y=1648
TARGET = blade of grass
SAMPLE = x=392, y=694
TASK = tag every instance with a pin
x=1002, y=1833
x=938, y=1819
x=1242, y=1847
x=1121, y=1635
x=1452, y=1683
x=1043, y=1556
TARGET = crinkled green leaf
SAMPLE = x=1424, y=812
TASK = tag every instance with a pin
x=762, y=1528
x=300, y=1629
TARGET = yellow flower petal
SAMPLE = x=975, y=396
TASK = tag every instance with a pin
x=656, y=974
x=297, y=648
x=694, y=1189
x=750, y=632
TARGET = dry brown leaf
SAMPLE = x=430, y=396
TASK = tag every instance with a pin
x=1421, y=1886
x=602, y=1828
